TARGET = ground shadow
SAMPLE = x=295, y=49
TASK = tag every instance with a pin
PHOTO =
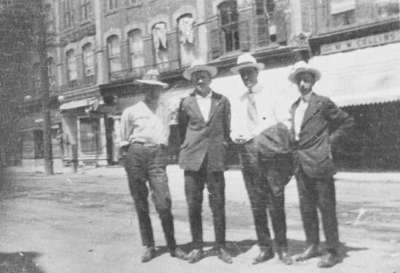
x=236, y=248
x=18, y=262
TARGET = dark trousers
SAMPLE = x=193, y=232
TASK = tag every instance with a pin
x=146, y=165
x=265, y=180
x=318, y=193
x=194, y=186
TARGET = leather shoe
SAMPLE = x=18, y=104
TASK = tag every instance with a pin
x=310, y=252
x=195, y=255
x=224, y=256
x=148, y=254
x=285, y=257
x=178, y=253
x=328, y=260
x=264, y=255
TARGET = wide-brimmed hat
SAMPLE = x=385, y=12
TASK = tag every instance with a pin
x=301, y=67
x=199, y=65
x=246, y=60
x=152, y=77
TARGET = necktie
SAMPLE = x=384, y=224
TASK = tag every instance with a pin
x=252, y=116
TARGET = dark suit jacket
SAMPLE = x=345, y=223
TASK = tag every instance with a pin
x=273, y=141
x=323, y=125
x=200, y=138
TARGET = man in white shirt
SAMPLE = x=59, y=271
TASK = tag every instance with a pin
x=204, y=122
x=144, y=136
x=255, y=111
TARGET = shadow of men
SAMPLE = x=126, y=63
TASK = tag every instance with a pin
x=237, y=248
x=18, y=262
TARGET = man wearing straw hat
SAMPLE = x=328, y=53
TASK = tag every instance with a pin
x=204, y=124
x=263, y=142
x=144, y=136
x=317, y=123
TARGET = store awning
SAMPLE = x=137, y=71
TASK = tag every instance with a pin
x=88, y=102
x=363, y=76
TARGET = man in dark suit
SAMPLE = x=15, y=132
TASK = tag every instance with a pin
x=204, y=122
x=317, y=124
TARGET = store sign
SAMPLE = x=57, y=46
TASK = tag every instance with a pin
x=368, y=41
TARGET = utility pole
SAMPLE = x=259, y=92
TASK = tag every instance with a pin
x=45, y=88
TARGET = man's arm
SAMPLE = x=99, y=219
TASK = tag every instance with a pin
x=183, y=120
x=340, y=123
x=227, y=121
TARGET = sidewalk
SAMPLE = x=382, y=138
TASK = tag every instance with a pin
x=174, y=169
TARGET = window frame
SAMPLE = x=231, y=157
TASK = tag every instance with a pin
x=131, y=52
x=229, y=29
x=71, y=67
x=111, y=57
x=86, y=55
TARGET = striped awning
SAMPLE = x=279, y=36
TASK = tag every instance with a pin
x=358, y=77
x=88, y=102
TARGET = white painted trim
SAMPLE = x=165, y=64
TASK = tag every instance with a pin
x=133, y=26
x=181, y=11
x=156, y=19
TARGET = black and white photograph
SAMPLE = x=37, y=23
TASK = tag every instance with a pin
x=203, y=136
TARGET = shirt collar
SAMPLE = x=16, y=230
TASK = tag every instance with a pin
x=306, y=97
x=256, y=88
x=206, y=97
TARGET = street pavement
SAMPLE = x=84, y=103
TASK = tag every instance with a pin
x=86, y=222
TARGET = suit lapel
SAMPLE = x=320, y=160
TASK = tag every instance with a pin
x=215, y=100
x=310, y=111
x=292, y=113
x=195, y=106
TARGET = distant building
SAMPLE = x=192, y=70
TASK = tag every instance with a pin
x=356, y=44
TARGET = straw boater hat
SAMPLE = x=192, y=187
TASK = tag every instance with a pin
x=302, y=66
x=199, y=65
x=152, y=77
x=246, y=60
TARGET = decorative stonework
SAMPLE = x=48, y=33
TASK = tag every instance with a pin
x=78, y=34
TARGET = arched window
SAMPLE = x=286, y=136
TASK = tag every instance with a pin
x=159, y=32
x=186, y=38
x=266, y=22
x=36, y=76
x=229, y=24
x=135, y=45
x=86, y=9
x=114, y=54
x=88, y=60
x=51, y=71
x=72, y=73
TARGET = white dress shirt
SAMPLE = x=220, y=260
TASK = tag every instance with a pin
x=270, y=109
x=299, y=113
x=204, y=105
x=140, y=123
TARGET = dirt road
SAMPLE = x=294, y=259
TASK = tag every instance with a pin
x=84, y=223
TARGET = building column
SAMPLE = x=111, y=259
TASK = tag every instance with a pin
x=295, y=18
x=202, y=44
x=102, y=69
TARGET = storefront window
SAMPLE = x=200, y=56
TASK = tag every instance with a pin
x=89, y=129
x=38, y=144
